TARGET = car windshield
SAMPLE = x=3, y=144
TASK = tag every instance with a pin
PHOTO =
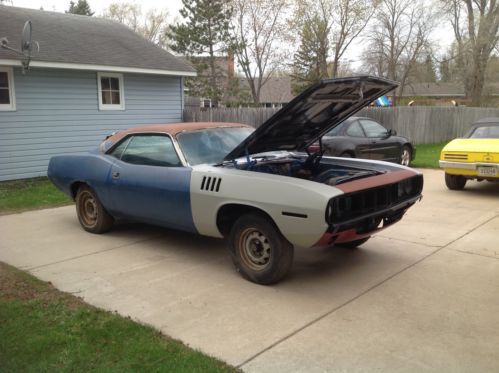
x=485, y=132
x=211, y=145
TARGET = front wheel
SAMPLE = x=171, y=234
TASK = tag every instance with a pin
x=405, y=157
x=353, y=244
x=91, y=214
x=259, y=251
x=455, y=182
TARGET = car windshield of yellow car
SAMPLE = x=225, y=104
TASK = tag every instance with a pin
x=485, y=132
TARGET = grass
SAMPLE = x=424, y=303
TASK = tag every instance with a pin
x=427, y=155
x=30, y=194
x=42, y=329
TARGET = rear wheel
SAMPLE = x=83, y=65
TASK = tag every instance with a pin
x=455, y=182
x=91, y=214
x=259, y=251
x=405, y=157
x=353, y=244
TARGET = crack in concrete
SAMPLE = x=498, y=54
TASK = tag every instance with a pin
x=402, y=240
x=330, y=312
x=92, y=253
x=477, y=254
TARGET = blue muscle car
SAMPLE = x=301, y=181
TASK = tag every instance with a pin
x=256, y=187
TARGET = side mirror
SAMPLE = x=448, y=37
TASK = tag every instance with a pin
x=390, y=133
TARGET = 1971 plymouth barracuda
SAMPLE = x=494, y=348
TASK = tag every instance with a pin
x=475, y=156
x=258, y=188
x=359, y=137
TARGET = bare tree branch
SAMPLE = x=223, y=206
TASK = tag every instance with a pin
x=257, y=29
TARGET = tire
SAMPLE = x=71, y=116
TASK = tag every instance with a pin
x=259, y=251
x=455, y=182
x=354, y=244
x=91, y=214
x=406, y=155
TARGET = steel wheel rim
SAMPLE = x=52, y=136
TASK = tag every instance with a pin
x=87, y=205
x=255, y=249
x=405, y=157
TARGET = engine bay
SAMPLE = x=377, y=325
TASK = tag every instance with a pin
x=311, y=167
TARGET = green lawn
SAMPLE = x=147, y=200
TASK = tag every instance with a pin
x=427, y=155
x=44, y=330
x=29, y=194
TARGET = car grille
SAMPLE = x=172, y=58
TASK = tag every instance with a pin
x=456, y=157
x=355, y=205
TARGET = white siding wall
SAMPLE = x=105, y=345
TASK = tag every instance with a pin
x=57, y=112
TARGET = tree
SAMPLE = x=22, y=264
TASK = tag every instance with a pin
x=312, y=24
x=399, y=39
x=258, y=28
x=424, y=70
x=352, y=17
x=205, y=31
x=327, y=29
x=310, y=60
x=151, y=25
x=476, y=40
x=81, y=7
x=451, y=65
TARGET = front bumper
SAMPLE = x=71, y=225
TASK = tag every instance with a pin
x=471, y=169
x=365, y=225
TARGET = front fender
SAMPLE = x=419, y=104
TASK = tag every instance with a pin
x=296, y=206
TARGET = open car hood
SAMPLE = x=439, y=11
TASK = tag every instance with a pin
x=311, y=114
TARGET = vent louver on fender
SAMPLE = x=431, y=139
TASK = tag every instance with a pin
x=211, y=184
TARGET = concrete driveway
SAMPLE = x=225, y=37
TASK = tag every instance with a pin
x=422, y=295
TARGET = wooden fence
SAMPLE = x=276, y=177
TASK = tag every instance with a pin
x=420, y=124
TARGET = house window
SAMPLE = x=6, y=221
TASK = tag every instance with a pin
x=7, y=97
x=111, y=95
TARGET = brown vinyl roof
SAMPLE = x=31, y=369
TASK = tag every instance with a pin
x=172, y=128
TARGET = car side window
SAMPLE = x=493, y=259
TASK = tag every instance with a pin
x=118, y=150
x=336, y=131
x=149, y=150
x=355, y=130
x=373, y=129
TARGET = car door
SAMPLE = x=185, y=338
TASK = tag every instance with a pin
x=148, y=182
x=381, y=146
x=357, y=137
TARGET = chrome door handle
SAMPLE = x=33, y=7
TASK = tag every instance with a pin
x=116, y=174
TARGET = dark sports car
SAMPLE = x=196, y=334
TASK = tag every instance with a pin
x=359, y=137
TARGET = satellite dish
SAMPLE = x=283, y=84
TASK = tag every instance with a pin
x=26, y=39
x=26, y=45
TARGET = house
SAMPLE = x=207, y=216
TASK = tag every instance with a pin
x=446, y=93
x=90, y=77
x=275, y=93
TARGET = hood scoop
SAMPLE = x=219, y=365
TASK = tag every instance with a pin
x=311, y=114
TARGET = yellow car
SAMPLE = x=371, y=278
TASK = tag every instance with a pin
x=476, y=156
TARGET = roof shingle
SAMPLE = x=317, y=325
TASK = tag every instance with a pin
x=69, y=38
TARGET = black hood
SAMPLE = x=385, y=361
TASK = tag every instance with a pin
x=311, y=114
